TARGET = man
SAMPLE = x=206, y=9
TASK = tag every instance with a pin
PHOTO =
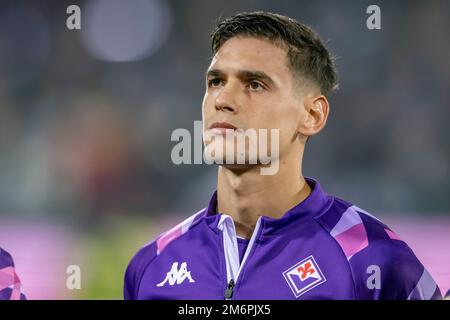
x=10, y=286
x=273, y=236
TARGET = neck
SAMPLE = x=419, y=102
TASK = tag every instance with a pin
x=245, y=196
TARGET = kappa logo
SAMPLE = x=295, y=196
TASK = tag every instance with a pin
x=177, y=276
x=304, y=276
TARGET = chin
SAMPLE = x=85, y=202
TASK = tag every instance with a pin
x=238, y=168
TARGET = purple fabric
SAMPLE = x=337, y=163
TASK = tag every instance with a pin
x=323, y=248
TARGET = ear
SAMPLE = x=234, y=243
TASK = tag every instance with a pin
x=316, y=110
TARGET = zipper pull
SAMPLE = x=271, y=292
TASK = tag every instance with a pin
x=229, y=291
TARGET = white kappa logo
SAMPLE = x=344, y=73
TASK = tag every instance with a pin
x=177, y=276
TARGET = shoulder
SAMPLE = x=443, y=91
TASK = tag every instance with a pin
x=5, y=258
x=12, y=287
x=149, y=252
x=389, y=269
x=382, y=265
x=349, y=226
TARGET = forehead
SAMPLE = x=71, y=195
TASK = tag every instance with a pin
x=253, y=54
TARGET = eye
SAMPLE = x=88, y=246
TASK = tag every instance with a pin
x=255, y=85
x=215, y=82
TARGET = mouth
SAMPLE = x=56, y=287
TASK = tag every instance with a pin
x=221, y=127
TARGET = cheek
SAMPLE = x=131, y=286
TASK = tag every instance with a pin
x=208, y=110
x=207, y=105
x=279, y=116
x=205, y=100
x=285, y=119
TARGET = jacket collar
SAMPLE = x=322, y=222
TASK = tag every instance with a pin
x=313, y=205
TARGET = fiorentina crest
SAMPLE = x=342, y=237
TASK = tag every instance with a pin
x=304, y=276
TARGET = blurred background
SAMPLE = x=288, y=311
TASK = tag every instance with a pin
x=86, y=116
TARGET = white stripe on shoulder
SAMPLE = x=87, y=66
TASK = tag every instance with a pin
x=185, y=224
x=177, y=230
x=366, y=213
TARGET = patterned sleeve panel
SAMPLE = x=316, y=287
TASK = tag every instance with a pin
x=10, y=285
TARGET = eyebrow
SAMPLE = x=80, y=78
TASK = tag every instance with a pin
x=244, y=74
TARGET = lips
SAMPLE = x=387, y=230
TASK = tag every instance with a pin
x=222, y=125
x=221, y=128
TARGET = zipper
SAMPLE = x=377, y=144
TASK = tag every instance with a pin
x=229, y=290
x=231, y=252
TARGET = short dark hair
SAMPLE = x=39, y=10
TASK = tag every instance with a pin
x=307, y=55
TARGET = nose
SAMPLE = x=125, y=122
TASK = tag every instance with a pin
x=226, y=100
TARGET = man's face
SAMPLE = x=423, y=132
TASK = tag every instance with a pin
x=250, y=86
